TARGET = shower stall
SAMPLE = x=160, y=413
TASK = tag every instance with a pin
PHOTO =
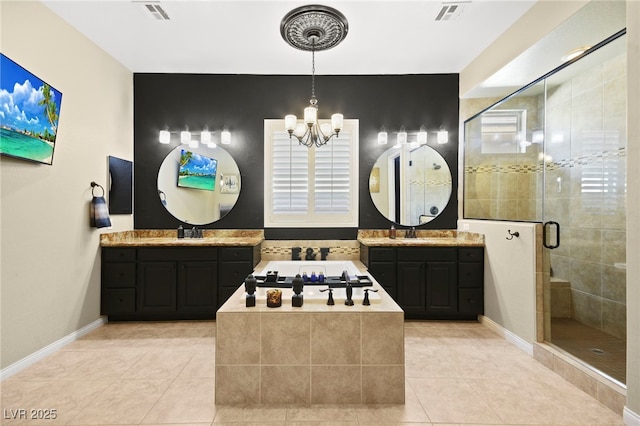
x=554, y=152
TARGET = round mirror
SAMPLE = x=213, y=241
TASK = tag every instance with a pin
x=198, y=185
x=410, y=184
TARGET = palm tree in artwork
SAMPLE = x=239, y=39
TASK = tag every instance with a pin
x=50, y=108
x=185, y=157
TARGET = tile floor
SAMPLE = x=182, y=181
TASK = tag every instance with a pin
x=163, y=374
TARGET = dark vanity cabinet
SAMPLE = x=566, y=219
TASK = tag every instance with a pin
x=430, y=282
x=165, y=283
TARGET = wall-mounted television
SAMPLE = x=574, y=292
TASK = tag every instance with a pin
x=197, y=171
x=29, y=114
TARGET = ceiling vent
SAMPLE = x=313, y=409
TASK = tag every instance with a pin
x=450, y=11
x=153, y=10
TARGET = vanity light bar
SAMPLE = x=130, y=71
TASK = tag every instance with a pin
x=186, y=137
x=421, y=137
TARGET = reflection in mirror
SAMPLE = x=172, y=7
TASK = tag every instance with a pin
x=199, y=206
x=410, y=184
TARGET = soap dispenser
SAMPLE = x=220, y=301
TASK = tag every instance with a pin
x=392, y=232
x=180, y=232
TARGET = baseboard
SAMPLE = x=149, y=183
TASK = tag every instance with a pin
x=49, y=349
x=630, y=418
x=522, y=344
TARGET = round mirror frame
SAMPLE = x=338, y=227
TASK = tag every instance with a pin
x=430, y=190
x=198, y=206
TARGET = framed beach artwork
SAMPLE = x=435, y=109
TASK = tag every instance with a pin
x=197, y=171
x=29, y=114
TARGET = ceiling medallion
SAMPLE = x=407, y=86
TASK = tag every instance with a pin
x=314, y=27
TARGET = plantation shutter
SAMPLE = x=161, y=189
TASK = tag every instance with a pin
x=290, y=175
x=332, y=182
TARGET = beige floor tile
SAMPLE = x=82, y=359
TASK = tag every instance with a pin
x=458, y=373
x=163, y=364
x=83, y=365
x=411, y=411
x=201, y=365
x=452, y=400
x=60, y=400
x=250, y=414
x=124, y=402
x=186, y=400
x=322, y=413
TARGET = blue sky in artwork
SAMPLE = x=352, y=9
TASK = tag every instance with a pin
x=19, y=97
x=201, y=165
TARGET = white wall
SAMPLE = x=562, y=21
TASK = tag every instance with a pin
x=509, y=275
x=50, y=268
x=633, y=205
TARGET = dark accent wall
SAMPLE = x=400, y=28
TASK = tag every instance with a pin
x=242, y=102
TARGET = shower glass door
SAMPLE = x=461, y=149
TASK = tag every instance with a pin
x=584, y=206
x=555, y=152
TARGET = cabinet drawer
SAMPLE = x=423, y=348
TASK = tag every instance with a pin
x=177, y=254
x=116, y=275
x=232, y=274
x=427, y=254
x=470, y=301
x=118, y=254
x=470, y=274
x=119, y=301
x=381, y=254
x=236, y=253
x=471, y=254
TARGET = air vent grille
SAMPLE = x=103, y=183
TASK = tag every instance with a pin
x=153, y=10
x=450, y=11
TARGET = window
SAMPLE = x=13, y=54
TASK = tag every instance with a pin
x=310, y=187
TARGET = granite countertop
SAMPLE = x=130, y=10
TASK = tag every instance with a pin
x=425, y=238
x=168, y=238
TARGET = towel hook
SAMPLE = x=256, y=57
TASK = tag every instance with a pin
x=512, y=234
x=93, y=187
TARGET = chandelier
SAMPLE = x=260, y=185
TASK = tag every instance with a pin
x=313, y=28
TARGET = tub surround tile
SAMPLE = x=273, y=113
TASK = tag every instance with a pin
x=335, y=339
x=238, y=338
x=315, y=354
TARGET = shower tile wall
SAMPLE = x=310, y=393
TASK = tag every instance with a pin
x=585, y=191
x=504, y=186
x=584, y=187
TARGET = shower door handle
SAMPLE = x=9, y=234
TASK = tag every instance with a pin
x=545, y=230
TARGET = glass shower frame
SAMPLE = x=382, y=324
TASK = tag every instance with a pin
x=555, y=152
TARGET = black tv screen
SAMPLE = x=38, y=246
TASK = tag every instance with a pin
x=197, y=171
x=29, y=114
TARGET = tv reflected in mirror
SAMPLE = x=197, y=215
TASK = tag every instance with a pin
x=29, y=114
x=197, y=171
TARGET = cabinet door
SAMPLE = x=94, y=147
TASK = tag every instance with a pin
x=157, y=285
x=411, y=286
x=385, y=274
x=197, y=290
x=118, y=301
x=442, y=287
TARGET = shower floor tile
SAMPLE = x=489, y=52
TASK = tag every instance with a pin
x=595, y=347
